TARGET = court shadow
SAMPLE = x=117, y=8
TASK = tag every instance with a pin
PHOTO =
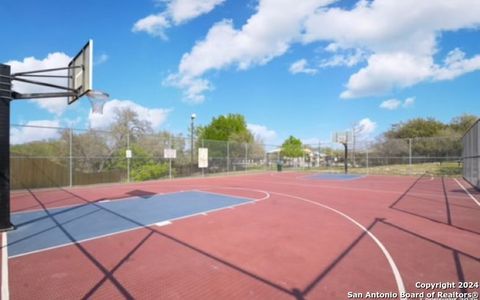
x=301, y=294
x=456, y=254
x=141, y=193
x=412, y=207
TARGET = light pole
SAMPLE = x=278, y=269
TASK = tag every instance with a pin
x=192, y=119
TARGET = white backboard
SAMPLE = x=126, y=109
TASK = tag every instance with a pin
x=128, y=153
x=80, y=72
x=342, y=137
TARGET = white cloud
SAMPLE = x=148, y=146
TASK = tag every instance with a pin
x=402, y=37
x=386, y=72
x=101, y=59
x=266, y=35
x=365, y=127
x=262, y=132
x=349, y=59
x=182, y=11
x=22, y=135
x=409, y=102
x=397, y=40
x=53, y=60
x=156, y=116
x=193, y=87
x=455, y=64
x=391, y=104
x=153, y=24
x=177, y=12
x=300, y=66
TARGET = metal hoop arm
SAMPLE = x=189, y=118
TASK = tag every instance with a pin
x=44, y=84
x=19, y=96
x=46, y=70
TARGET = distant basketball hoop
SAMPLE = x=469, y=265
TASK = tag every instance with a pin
x=343, y=137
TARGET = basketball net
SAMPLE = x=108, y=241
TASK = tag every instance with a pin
x=97, y=100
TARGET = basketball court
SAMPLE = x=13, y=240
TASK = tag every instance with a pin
x=263, y=236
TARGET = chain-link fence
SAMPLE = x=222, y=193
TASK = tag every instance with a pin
x=435, y=155
x=471, y=155
x=43, y=156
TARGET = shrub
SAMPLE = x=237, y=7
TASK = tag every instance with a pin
x=150, y=171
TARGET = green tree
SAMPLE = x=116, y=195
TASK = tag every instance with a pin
x=462, y=123
x=231, y=127
x=419, y=127
x=292, y=147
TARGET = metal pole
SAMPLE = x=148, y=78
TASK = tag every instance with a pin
x=368, y=170
x=265, y=159
x=203, y=169
x=410, y=156
x=191, y=142
x=70, y=137
x=170, y=159
x=318, y=156
x=246, y=157
x=228, y=156
x=128, y=158
x=345, y=163
x=5, y=98
x=353, y=145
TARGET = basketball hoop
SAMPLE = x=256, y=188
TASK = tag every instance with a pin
x=97, y=100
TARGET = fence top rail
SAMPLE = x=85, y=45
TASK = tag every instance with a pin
x=54, y=127
x=470, y=128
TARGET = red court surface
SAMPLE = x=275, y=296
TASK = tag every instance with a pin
x=300, y=239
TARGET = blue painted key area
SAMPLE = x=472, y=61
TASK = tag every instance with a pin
x=39, y=230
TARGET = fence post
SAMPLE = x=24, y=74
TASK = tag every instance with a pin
x=228, y=157
x=246, y=157
x=170, y=146
x=70, y=169
x=128, y=158
x=265, y=158
x=203, y=169
x=409, y=156
x=368, y=170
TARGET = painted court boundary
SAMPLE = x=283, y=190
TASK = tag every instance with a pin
x=467, y=192
x=5, y=288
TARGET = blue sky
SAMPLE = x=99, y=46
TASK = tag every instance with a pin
x=303, y=68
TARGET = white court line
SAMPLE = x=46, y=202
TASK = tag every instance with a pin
x=468, y=193
x=391, y=262
x=267, y=195
x=129, y=229
x=5, y=288
x=332, y=179
x=163, y=223
x=342, y=187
